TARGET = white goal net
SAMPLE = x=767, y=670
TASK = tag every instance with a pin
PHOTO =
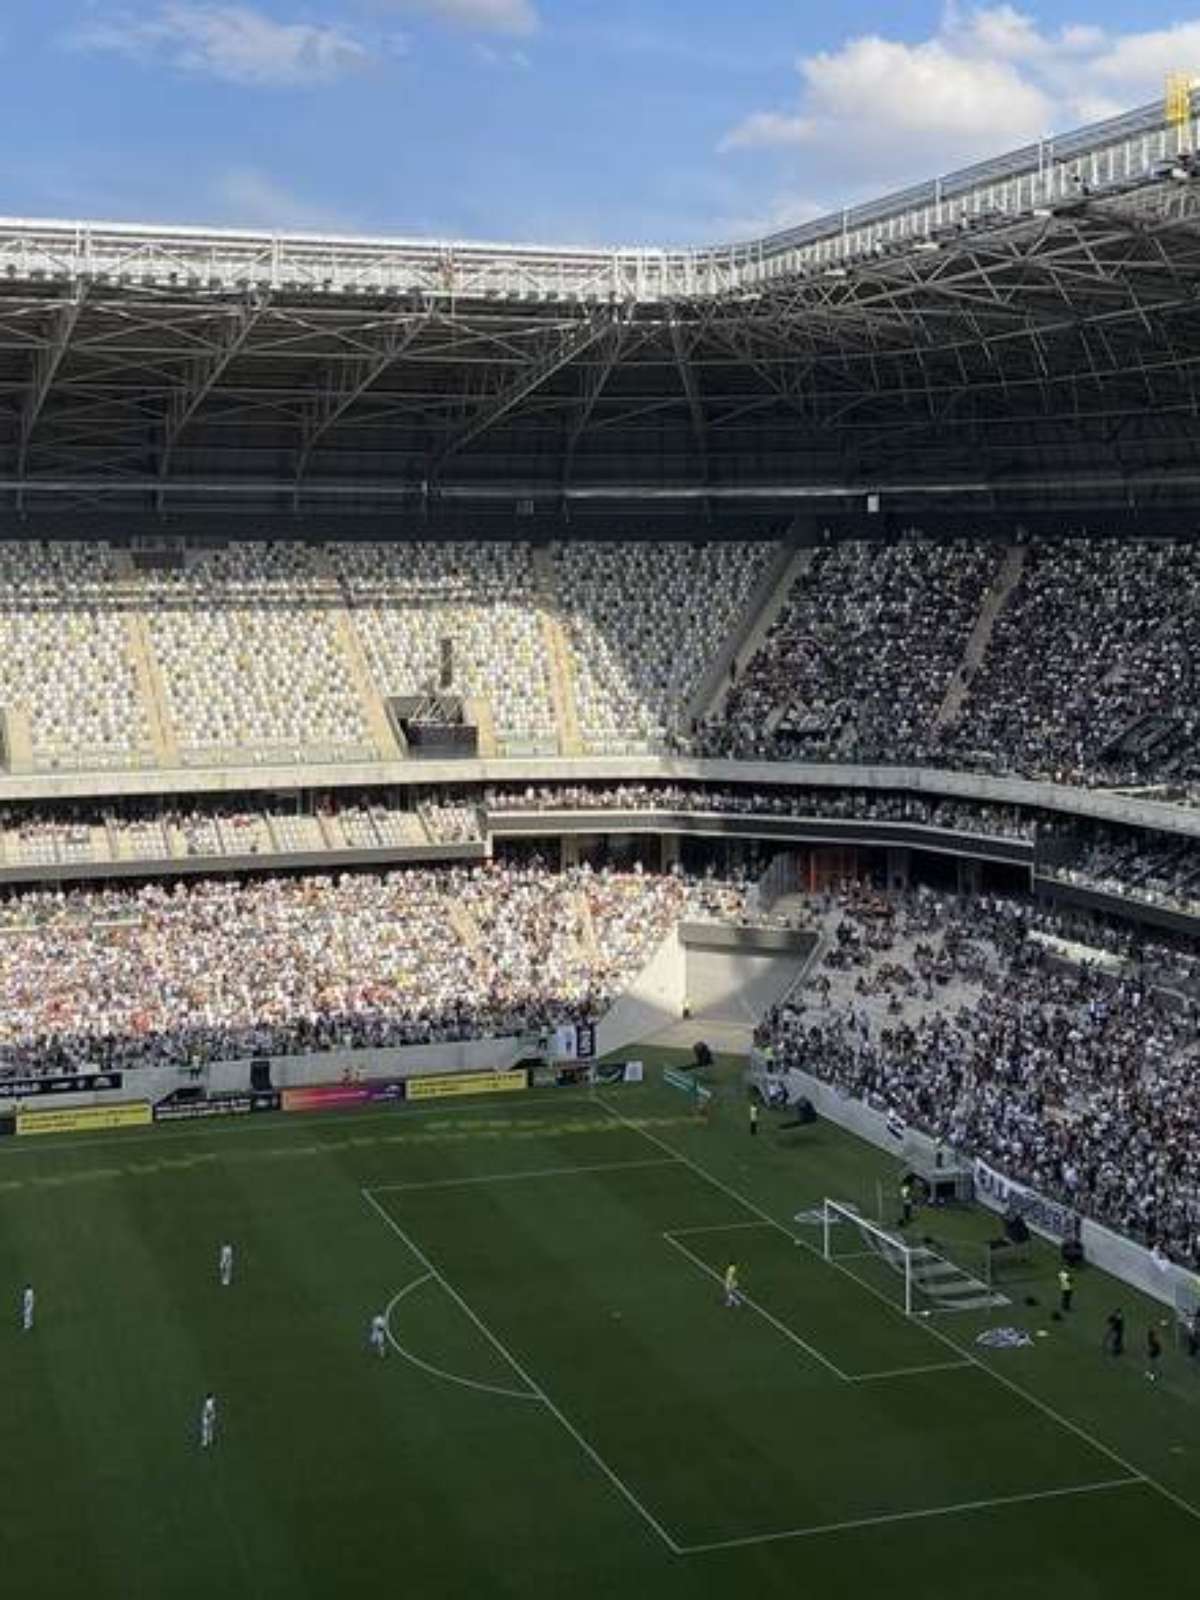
x=929, y=1280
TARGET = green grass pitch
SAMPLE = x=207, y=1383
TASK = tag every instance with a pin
x=567, y=1406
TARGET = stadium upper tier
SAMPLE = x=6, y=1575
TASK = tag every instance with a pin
x=1069, y=662
x=1019, y=334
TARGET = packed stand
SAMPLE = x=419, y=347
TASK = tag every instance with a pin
x=963, y=816
x=644, y=620
x=1089, y=676
x=1080, y=1082
x=203, y=970
x=1159, y=869
x=857, y=664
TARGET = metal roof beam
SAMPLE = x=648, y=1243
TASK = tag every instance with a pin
x=353, y=381
x=691, y=390
x=45, y=368
x=560, y=352
x=204, y=374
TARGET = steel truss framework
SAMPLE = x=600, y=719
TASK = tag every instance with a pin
x=1024, y=336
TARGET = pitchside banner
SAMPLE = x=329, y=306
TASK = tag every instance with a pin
x=331, y=1096
x=220, y=1105
x=454, y=1083
x=64, y=1083
x=79, y=1119
x=1001, y=1194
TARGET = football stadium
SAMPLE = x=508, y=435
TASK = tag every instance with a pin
x=600, y=924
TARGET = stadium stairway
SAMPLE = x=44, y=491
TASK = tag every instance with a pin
x=976, y=647
x=587, y=929
x=479, y=713
x=786, y=568
x=163, y=738
x=379, y=724
x=558, y=654
x=464, y=925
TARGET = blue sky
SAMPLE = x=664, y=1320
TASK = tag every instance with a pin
x=564, y=121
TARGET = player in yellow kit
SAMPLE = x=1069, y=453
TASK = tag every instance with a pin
x=732, y=1296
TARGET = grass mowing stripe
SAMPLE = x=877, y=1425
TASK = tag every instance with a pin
x=915, y=1516
x=618, y=1483
x=440, y=1372
x=780, y=1327
x=203, y=1127
x=513, y=1177
x=934, y=1333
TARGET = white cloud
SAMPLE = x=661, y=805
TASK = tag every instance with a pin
x=232, y=42
x=486, y=16
x=247, y=198
x=879, y=111
x=503, y=59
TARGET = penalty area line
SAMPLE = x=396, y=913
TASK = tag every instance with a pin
x=996, y=1502
x=536, y=1389
x=1008, y=1383
x=513, y=1177
x=780, y=1327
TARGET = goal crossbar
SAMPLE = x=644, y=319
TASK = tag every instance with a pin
x=927, y=1275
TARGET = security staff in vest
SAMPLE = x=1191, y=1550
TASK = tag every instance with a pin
x=1066, y=1288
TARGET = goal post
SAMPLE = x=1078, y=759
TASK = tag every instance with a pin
x=929, y=1278
x=846, y=1234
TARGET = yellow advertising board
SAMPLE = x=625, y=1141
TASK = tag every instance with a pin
x=81, y=1119
x=451, y=1083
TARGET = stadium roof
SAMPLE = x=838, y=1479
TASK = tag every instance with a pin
x=1018, y=338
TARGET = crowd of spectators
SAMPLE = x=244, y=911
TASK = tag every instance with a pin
x=858, y=662
x=1087, y=676
x=267, y=652
x=1079, y=1081
x=1158, y=869
x=963, y=816
x=224, y=969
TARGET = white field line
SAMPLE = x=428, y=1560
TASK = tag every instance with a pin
x=911, y=1372
x=780, y=1327
x=513, y=1177
x=713, y=1227
x=673, y=1236
x=934, y=1332
x=440, y=1372
x=589, y=1450
x=914, y=1516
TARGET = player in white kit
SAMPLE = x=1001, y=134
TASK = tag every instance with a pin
x=225, y=1265
x=208, y=1421
x=27, y=1308
x=378, y=1334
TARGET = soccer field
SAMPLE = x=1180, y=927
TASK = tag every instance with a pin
x=566, y=1402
